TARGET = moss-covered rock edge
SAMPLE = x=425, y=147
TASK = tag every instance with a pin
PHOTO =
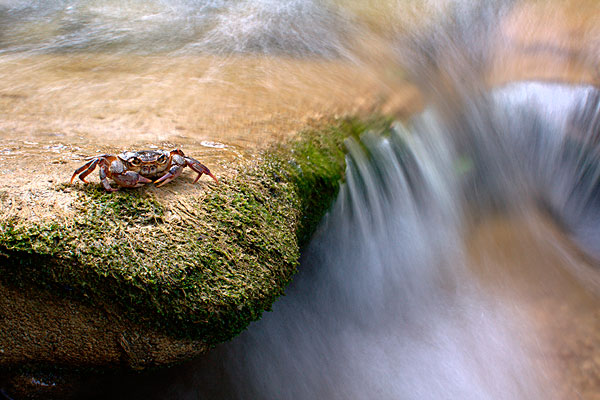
x=206, y=274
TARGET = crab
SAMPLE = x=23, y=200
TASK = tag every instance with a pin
x=134, y=169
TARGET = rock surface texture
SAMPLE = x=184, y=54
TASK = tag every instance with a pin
x=151, y=276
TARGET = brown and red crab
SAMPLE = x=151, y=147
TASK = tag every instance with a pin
x=137, y=168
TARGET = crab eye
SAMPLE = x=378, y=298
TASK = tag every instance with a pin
x=135, y=161
x=162, y=159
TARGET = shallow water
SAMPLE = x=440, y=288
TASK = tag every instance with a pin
x=152, y=70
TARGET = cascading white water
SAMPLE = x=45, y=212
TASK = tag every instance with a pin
x=393, y=300
x=412, y=289
x=388, y=304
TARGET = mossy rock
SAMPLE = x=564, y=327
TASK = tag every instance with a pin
x=202, y=268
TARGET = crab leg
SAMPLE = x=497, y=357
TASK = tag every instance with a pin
x=173, y=173
x=200, y=168
x=87, y=168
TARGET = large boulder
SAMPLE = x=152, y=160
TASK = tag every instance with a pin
x=149, y=277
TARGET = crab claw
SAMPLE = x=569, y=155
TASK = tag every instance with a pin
x=173, y=173
x=142, y=180
x=130, y=179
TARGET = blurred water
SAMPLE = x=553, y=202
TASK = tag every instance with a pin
x=412, y=289
x=240, y=72
x=390, y=306
x=291, y=27
x=441, y=268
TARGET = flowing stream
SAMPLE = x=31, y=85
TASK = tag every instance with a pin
x=452, y=265
x=460, y=259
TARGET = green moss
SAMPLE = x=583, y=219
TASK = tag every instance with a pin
x=206, y=274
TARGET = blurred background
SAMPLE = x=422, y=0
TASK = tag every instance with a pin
x=460, y=259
